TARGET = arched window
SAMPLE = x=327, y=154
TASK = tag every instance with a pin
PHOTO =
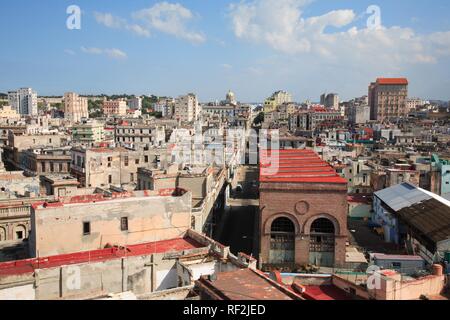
x=322, y=225
x=282, y=241
x=2, y=234
x=322, y=243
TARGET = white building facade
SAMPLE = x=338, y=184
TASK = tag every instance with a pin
x=24, y=101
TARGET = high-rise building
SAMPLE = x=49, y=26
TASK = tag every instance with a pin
x=187, y=108
x=24, y=101
x=75, y=107
x=387, y=98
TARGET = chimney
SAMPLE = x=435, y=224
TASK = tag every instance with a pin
x=438, y=270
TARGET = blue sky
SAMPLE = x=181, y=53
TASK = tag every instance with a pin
x=209, y=46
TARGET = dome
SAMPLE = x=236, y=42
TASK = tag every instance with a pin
x=231, y=97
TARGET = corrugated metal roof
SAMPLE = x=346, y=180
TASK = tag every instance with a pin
x=402, y=196
x=431, y=218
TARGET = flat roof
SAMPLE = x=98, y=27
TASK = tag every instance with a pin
x=325, y=292
x=392, y=81
x=30, y=265
x=247, y=284
x=382, y=256
x=298, y=166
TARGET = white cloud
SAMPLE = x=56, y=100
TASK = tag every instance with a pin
x=227, y=66
x=92, y=50
x=111, y=21
x=111, y=53
x=281, y=25
x=169, y=18
x=115, y=53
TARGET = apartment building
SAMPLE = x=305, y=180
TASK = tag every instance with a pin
x=140, y=134
x=24, y=101
x=388, y=99
x=276, y=99
x=115, y=107
x=187, y=108
x=75, y=107
x=99, y=167
x=88, y=132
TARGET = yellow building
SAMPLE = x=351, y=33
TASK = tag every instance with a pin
x=7, y=112
x=277, y=99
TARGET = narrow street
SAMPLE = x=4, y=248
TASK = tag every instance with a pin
x=240, y=229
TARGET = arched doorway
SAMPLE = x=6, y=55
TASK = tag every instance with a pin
x=321, y=243
x=2, y=234
x=282, y=242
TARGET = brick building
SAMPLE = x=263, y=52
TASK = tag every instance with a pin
x=303, y=211
x=387, y=98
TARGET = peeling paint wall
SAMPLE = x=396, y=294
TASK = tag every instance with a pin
x=60, y=230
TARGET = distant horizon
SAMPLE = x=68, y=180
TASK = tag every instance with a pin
x=254, y=47
x=205, y=101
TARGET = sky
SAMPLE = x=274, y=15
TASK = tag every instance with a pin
x=253, y=47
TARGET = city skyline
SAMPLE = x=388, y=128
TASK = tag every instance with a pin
x=251, y=47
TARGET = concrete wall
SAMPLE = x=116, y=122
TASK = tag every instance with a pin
x=25, y=292
x=395, y=289
x=140, y=275
x=59, y=230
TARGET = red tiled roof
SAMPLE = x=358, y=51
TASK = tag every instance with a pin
x=392, y=81
x=298, y=166
x=29, y=265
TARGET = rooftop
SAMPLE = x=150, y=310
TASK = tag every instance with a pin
x=325, y=292
x=382, y=256
x=430, y=217
x=30, y=265
x=401, y=196
x=298, y=166
x=114, y=196
x=392, y=81
x=245, y=284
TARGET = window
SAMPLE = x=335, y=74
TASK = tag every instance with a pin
x=132, y=177
x=146, y=159
x=136, y=161
x=86, y=228
x=124, y=224
x=19, y=235
x=110, y=179
x=126, y=161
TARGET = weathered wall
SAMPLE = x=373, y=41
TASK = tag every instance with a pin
x=25, y=292
x=60, y=230
x=391, y=289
